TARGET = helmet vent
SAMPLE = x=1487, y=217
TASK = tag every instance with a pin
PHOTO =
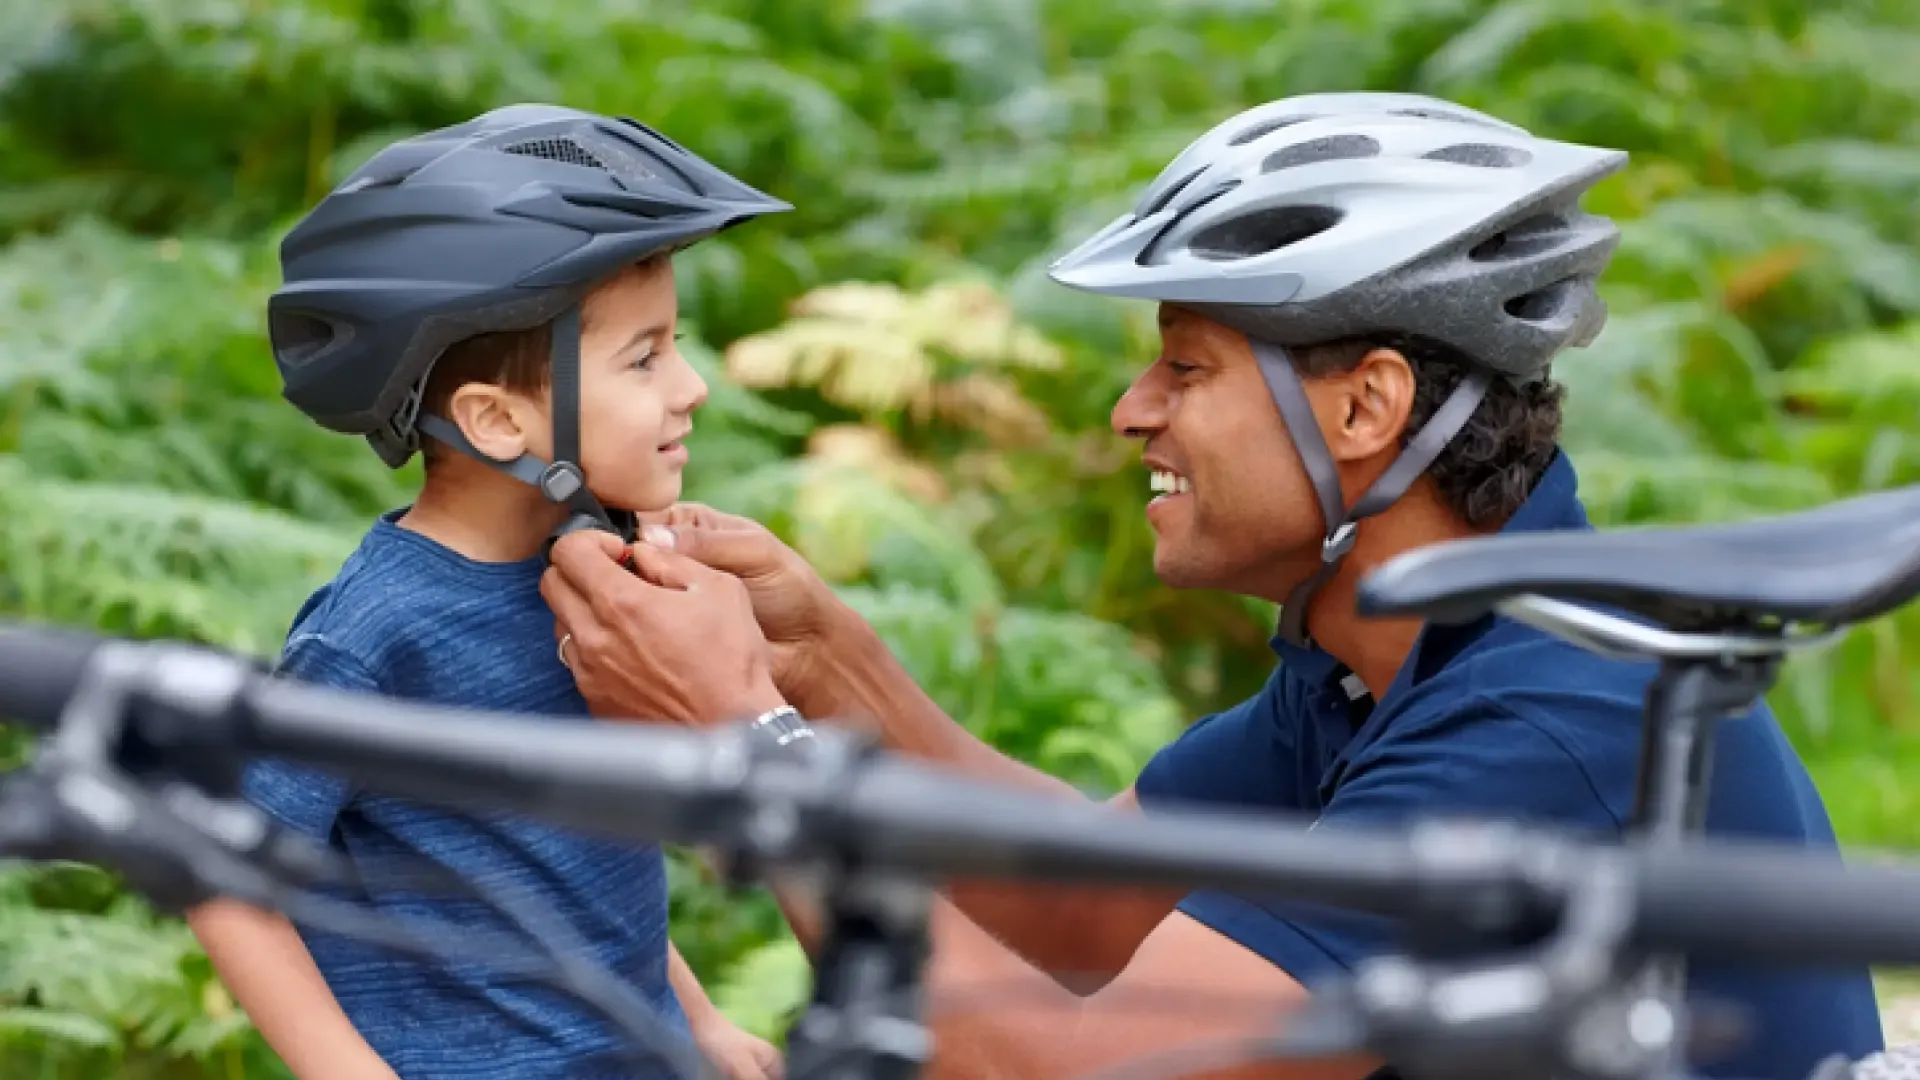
x=1527, y=239
x=1543, y=305
x=1267, y=128
x=1264, y=231
x=372, y=183
x=1331, y=148
x=1167, y=196
x=298, y=337
x=1152, y=248
x=1441, y=114
x=563, y=150
x=1481, y=156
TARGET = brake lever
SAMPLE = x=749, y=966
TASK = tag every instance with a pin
x=98, y=816
x=29, y=824
x=247, y=833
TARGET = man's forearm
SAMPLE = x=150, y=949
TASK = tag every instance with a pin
x=1196, y=1012
x=854, y=676
x=1081, y=935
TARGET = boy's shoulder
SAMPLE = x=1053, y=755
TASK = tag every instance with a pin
x=407, y=617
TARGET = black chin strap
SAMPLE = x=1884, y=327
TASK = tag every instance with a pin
x=1283, y=382
x=562, y=481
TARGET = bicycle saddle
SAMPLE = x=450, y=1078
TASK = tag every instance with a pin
x=1845, y=562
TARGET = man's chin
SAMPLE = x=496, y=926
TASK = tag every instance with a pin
x=1176, y=572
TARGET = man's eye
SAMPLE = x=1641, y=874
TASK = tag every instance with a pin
x=1180, y=368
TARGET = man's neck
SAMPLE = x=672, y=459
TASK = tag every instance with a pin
x=481, y=513
x=1376, y=649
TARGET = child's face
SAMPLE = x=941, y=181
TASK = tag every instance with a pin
x=637, y=393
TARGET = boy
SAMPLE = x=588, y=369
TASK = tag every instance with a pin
x=497, y=295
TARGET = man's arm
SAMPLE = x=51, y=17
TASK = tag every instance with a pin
x=261, y=959
x=1082, y=935
x=1190, y=997
x=828, y=663
x=1227, y=966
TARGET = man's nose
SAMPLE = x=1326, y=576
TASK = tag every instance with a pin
x=1141, y=411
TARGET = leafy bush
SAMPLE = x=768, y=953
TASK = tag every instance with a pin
x=897, y=388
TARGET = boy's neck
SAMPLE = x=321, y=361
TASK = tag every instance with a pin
x=481, y=513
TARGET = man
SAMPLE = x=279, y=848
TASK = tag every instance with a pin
x=1360, y=295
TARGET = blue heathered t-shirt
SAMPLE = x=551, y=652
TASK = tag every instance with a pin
x=410, y=618
x=1496, y=719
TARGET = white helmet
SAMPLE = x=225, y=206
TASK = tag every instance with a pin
x=1330, y=216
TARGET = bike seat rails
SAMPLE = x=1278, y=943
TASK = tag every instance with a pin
x=1894, y=1063
x=1709, y=590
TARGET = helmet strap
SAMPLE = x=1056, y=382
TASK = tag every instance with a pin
x=1290, y=396
x=562, y=481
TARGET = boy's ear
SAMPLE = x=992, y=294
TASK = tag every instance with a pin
x=495, y=420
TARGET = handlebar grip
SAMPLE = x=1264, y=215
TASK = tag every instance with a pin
x=40, y=667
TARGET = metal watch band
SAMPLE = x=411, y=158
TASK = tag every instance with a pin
x=783, y=725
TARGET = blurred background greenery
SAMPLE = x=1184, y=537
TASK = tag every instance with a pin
x=897, y=388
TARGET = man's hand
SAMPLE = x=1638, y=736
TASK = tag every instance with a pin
x=790, y=601
x=674, y=640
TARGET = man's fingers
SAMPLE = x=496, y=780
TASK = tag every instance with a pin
x=571, y=611
x=702, y=516
x=664, y=568
x=590, y=562
x=740, y=552
x=698, y=515
x=589, y=559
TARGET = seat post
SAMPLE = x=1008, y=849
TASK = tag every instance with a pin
x=1684, y=703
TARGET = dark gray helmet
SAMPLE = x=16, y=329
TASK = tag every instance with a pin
x=503, y=222
x=1330, y=216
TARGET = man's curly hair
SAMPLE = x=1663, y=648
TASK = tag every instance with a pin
x=1492, y=465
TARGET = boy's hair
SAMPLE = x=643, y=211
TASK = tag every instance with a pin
x=517, y=360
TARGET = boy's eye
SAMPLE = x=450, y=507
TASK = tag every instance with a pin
x=1180, y=368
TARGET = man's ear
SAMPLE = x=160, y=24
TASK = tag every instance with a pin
x=493, y=419
x=1373, y=403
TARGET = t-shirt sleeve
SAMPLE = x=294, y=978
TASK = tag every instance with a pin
x=302, y=798
x=1479, y=761
x=1241, y=756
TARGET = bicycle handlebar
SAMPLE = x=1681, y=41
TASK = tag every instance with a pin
x=653, y=782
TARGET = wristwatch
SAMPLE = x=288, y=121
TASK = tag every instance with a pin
x=783, y=726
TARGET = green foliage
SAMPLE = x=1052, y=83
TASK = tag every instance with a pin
x=943, y=458
x=92, y=984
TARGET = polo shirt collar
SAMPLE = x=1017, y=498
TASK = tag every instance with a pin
x=1553, y=504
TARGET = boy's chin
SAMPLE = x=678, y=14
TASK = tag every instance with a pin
x=659, y=496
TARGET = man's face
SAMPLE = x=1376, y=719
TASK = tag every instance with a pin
x=1241, y=514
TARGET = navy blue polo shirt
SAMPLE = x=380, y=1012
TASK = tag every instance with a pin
x=1497, y=719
